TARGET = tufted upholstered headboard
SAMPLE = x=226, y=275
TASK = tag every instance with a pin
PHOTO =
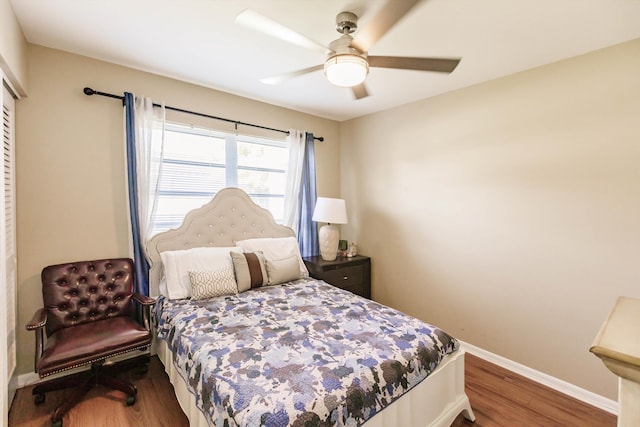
x=229, y=217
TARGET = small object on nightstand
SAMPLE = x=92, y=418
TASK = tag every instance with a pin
x=352, y=274
x=342, y=248
x=353, y=251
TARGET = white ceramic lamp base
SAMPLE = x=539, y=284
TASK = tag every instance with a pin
x=328, y=237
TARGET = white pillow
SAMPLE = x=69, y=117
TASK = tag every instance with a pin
x=178, y=263
x=282, y=270
x=276, y=248
x=162, y=286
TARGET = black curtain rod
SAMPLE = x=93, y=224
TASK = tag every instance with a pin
x=89, y=91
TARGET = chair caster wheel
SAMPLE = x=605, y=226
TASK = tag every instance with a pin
x=131, y=400
x=38, y=399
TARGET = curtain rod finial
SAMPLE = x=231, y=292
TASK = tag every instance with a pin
x=88, y=91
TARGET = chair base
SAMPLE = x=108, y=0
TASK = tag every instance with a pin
x=85, y=381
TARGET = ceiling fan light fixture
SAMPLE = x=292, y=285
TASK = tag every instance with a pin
x=346, y=70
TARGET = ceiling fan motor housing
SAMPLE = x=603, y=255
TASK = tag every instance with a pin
x=342, y=46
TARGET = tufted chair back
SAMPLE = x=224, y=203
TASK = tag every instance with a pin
x=87, y=291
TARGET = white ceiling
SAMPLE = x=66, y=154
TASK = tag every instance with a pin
x=198, y=41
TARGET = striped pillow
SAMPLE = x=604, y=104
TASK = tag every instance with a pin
x=250, y=270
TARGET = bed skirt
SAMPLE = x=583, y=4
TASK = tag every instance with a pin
x=436, y=401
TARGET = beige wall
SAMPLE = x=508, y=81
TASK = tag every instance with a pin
x=70, y=164
x=508, y=213
x=13, y=49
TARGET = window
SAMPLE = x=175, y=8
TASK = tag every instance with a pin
x=199, y=162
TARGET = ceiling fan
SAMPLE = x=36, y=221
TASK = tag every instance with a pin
x=348, y=62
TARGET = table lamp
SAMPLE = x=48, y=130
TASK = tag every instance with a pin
x=331, y=211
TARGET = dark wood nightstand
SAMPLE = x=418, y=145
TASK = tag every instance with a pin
x=352, y=274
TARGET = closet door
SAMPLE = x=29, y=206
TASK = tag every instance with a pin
x=8, y=293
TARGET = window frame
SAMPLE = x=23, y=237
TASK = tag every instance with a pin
x=231, y=166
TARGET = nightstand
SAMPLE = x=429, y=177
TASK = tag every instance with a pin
x=352, y=274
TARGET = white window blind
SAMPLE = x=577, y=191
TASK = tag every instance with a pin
x=8, y=294
x=9, y=227
x=199, y=162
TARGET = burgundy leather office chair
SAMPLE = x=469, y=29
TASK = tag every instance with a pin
x=88, y=316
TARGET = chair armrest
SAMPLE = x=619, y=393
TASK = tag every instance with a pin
x=37, y=325
x=146, y=303
x=143, y=300
x=38, y=321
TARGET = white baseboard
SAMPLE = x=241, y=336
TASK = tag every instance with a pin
x=564, y=387
x=27, y=379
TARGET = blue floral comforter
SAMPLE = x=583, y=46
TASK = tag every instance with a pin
x=300, y=354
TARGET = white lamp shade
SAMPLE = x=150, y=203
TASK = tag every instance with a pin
x=346, y=70
x=332, y=211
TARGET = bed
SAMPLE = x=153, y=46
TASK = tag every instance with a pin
x=287, y=349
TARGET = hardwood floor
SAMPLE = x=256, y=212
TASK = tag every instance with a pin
x=156, y=405
x=498, y=398
x=501, y=398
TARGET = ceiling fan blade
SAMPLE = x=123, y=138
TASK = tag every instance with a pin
x=443, y=65
x=360, y=91
x=386, y=18
x=274, y=80
x=265, y=25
